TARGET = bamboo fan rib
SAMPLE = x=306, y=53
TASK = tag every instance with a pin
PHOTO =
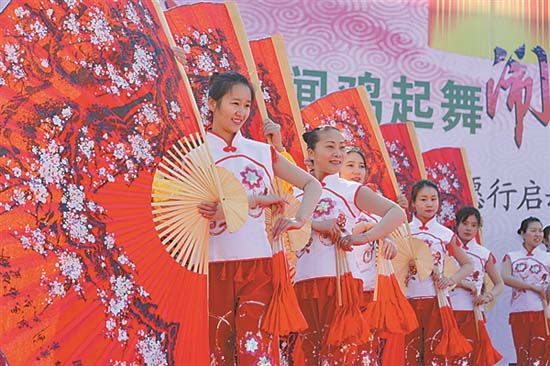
x=185, y=178
x=410, y=250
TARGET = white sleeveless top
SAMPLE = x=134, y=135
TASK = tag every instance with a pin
x=365, y=255
x=461, y=298
x=318, y=257
x=251, y=162
x=437, y=237
x=534, y=268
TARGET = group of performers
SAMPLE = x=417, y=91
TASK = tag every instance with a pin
x=335, y=196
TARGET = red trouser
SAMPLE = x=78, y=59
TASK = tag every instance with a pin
x=420, y=343
x=530, y=337
x=318, y=301
x=239, y=294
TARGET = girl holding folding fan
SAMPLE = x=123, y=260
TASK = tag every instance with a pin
x=354, y=169
x=240, y=263
x=437, y=340
x=527, y=272
x=328, y=281
x=467, y=297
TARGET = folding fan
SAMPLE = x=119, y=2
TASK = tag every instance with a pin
x=214, y=39
x=348, y=324
x=405, y=157
x=484, y=353
x=90, y=99
x=450, y=267
x=283, y=315
x=279, y=93
x=413, y=255
x=448, y=167
x=390, y=311
x=350, y=111
x=452, y=343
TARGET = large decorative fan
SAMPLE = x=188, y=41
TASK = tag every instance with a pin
x=90, y=99
x=405, y=157
x=413, y=256
x=186, y=177
x=279, y=93
x=484, y=353
x=350, y=111
x=448, y=167
x=214, y=40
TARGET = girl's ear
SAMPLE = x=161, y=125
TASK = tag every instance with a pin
x=310, y=154
x=211, y=104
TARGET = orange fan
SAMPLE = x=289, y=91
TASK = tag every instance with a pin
x=390, y=311
x=484, y=353
x=348, y=324
x=350, y=111
x=283, y=314
x=405, y=157
x=214, y=40
x=413, y=256
x=448, y=167
x=279, y=93
x=90, y=100
x=452, y=342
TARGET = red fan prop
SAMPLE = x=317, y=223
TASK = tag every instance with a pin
x=389, y=311
x=484, y=353
x=279, y=93
x=452, y=342
x=350, y=111
x=214, y=40
x=405, y=156
x=448, y=167
x=90, y=98
x=348, y=324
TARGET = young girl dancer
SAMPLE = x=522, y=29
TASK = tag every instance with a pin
x=240, y=270
x=333, y=219
x=420, y=344
x=468, y=294
x=527, y=272
x=354, y=169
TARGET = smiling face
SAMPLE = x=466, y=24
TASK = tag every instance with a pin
x=231, y=111
x=426, y=203
x=468, y=228
x=328, y=154
x=532, y=237
x=354, y=168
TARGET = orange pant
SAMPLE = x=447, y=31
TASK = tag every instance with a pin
x=318, y=301
x=239, y=293
x=529, y=335
x=420, y=344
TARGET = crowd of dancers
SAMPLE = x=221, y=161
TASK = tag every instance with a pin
x=350, y=217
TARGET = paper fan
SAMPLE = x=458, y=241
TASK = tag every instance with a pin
x=412, y=255
x=186, y=177
x=448, y=168
x=279, y=94
x=283, y=314
x=351, y=112
x=452, y=342
x=402, y=146
x=90, y=99
x=214, y=39
x=450, y=267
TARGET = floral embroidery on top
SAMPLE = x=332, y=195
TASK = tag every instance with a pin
x=324, y=208
x=520, y=267
x=251, y=177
